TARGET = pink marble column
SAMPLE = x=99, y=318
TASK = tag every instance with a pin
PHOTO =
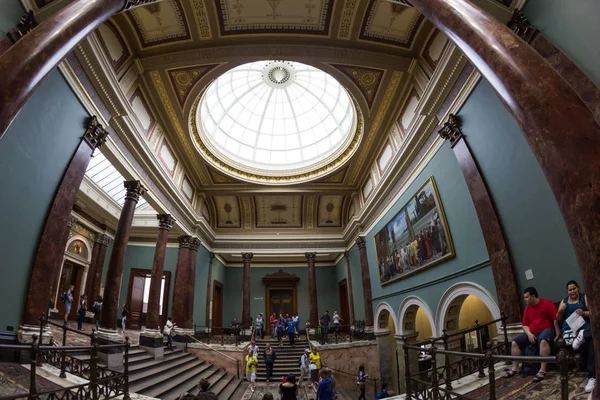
x=366, y=278
x=246, y=317
x=179, y=306
x=313, y=307
x=209, y=283
x=350, y=292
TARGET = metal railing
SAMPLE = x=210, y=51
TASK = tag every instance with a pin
x=234, y=360
x=222, y=335
x=437, y=386
x=354, y=377
x=341, y=334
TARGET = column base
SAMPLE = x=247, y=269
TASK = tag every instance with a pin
x=26, y=332
x=151, y=341
x=512, y=330
x=181, y=335
x=113, y=358
x=370, y=332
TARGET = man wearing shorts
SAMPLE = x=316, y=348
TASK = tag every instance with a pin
x=251, y=363
x=538, y=328
x=68, y=301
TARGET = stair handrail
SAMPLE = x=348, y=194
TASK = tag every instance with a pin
x=237, y=361
x=374, y=380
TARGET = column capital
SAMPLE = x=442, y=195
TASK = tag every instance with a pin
x=135, y=189
x=211, y=256
x=72, y=221
x=102, y=238
x=361, y=242
x=195, y=244
x=165, y=221
x=95, y=134
x=184, y=241
x=347, y=256
x=25, y=25
x=310, y=257
x=129, y=4
x=247, y=257
x=451, y=131
x=521, y=26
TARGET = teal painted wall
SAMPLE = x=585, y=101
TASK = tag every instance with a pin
x=573, y=27
x=34, y=155
x=232, y=294
x=533, y=225
x=10, y=13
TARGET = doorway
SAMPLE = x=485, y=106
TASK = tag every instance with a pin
x=281, y=302
x=71, y=275
x=280, y=295
x=139, y=294
x=217, y=308
x=344, y=307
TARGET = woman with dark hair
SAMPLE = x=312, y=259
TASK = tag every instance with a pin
x=82, y=310
x=361, y=381
x=97, y=309
x=576, y=303
x=289, y=389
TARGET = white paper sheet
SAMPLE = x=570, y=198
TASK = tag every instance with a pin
x=575, y=321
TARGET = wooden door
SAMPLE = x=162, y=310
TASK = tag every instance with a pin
x=136, y=302
x=217, y=308
x=71, y=275
x=343, y=301
x=281, y=301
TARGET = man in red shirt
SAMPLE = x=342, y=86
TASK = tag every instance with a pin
x=538, y=328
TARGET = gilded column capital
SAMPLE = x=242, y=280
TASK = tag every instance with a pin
x=95, y=134
x=195, y=244
x=361, y=242
x=247, y=257
x=102, y=238
x=72, y=221
x=521, y=26
x=451, y=131
x=135, y=189
x=165, y=221
x=184, y=241
x=310, y=257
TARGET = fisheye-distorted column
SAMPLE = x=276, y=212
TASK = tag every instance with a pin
x=209, y=283
x=110, y=307
x=366, y=278
x=350, y=292
x=178, y=308
x=246, y=317
x=560, y=129
x=313, y=308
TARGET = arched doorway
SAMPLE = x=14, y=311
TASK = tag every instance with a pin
x=74, y=271
x=416, y=317
x=386, y=344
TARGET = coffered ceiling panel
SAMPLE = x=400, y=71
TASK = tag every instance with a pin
x=390, y=23
x=159, y=23
x=330, y=211
x=274, y=16
x=228, y=211
x=278, y=211
x=367, y=79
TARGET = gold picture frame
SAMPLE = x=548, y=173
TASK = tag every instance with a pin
x=416, y=238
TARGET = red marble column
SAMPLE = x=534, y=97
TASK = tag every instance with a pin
x=246, y=317
x=165, y=223
x=178, y=308
x=102, y=241
x=58, y=268
x=366, y=278
x=189, y=288
x=350, y=292
x=25, y=64
x=53, y=239
x=560, y=129
x=509, y=297
x=110, y=306
x=313, y=307
x=209, y=283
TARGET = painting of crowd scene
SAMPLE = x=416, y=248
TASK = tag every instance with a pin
x=416, y=238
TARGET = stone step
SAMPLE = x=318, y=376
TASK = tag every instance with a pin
x=149, y=385
x=161, y=369
x=169, y=356
x=178, y=381
x=190, y=384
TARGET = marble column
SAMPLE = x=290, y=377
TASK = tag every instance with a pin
x=179, y=308
x=96, y=266
x=246, y=317
x=151, y=339
x=209, y=283
x=110, y=306
x=189, y=289
x=313, y=308
x=560, y=129
x=387, y=356
x=25, y=64
x=509, y=298
x=53, y=240
x=350, y=292
x=413, y=358
x=366, y=278
x=58, y=268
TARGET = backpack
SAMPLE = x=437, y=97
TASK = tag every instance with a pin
x=63, y=297
x=300, y=361
x=528, y=369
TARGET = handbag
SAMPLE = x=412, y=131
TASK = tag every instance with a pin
x=312, y=367
x=569, y=336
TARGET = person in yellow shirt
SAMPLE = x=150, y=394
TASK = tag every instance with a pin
x=251, y=363
x=315, y=365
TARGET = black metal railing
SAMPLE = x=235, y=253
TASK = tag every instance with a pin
x=435, y=384
x=340, y=334
x=231, y=335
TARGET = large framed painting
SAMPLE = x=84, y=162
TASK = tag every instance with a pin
x=416, y=238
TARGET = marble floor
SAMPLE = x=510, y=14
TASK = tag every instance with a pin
x=74, y=339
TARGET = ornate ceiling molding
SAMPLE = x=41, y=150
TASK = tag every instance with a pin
x=347, y=20
x=184, y=79
x=160, y=13
x=202, y=20
x=366, y=79
x=380, y=25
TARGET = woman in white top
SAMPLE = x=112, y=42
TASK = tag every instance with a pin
x=167, y=331
x=336, y=322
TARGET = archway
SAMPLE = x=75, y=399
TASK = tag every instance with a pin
x=385, y=331
x=462, y=306
x=415, y=316
x=74, y=270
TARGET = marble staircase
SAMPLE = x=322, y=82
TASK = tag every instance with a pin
x=287, y=361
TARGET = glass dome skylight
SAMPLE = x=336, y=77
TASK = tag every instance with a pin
x=276, y=116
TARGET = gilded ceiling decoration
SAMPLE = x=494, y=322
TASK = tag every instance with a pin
x=330, y=211
x=278, y=211
x=367, y=79
x=274, y=16
x=184, y=79
x=219, y=178
x=159, y=23
x=347, y=18
x=202, y=21
x=338, y=177
x=391, y=23
x=228, y=212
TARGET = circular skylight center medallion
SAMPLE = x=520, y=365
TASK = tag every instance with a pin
x=276, y=118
